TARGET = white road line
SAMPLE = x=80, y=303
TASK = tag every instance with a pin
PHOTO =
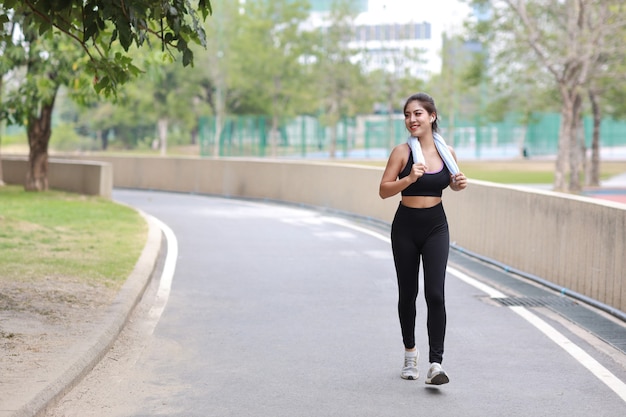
x=603, y=374
x=582, y=357
x=492, y=292
x=165, y=283
x=600, y=372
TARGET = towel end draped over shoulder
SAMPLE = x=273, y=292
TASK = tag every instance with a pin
x=442, y=148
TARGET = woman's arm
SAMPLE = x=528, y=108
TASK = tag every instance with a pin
x=458, y=182
x=390, y=185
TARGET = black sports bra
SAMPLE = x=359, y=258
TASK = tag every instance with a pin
x=431, y=184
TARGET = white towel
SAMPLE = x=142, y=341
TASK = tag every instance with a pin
x=442, y=148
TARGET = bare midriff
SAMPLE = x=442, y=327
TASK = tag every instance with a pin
x=420, y=201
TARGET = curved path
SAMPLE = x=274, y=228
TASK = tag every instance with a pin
x=275, y=310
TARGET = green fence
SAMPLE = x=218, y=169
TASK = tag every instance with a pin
x=375, y=135
x=302, y=136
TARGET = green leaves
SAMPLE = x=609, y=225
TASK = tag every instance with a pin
x=118, y=69
x=101, y=26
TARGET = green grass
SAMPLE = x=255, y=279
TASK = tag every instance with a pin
x=62, y=235
x=510, y=172
x=520, y=171
x=528, y=172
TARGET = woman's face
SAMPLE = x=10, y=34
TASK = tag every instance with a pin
x=417, y=119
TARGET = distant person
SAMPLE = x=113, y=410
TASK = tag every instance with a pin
x=420, y=170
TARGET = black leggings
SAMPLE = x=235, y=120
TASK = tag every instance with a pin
x=421, y=233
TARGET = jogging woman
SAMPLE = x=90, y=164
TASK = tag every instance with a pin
x=420, y=229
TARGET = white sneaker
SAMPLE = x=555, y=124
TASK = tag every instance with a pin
x=409, y=371
x=436, y=375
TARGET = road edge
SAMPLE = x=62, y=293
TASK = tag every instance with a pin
x=100, y=340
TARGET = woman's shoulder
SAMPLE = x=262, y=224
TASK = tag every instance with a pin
x=403, y=148
x=399, y=155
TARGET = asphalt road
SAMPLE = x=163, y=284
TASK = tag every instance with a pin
x=275, y=310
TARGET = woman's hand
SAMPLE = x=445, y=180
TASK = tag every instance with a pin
x=417, y=171
x=458, y=182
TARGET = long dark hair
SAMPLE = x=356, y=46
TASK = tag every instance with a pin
x=429, y=105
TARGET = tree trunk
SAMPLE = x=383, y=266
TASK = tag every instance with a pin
x=564, y=144
x=593, y=175
x=575, y=185
x=162, y=128
x=274, y=136
x=39, y=131
x=218, y=134
x=333, y=141
x=194, y=135
x=220, y=117
x=333, y=121
x=102, y=136
x=568, y=157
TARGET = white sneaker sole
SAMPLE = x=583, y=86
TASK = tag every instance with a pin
x=439, y=379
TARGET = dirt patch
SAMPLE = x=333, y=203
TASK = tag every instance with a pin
x=40, y=321
x=52, y=300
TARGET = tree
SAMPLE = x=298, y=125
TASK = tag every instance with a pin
x=166, y=98
x=149, y=111
x=96, y=25
x=50, y=61
x=61, y=42
x=338, y=79
x=395, y=80
x=5, y=67
x=460, y=85
x=569, y=41
x=218, y=63
x=266, y=57
x=609, y=80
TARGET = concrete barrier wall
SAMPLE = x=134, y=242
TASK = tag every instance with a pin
x=85, y=177
x=575, y=242
x=578, y=243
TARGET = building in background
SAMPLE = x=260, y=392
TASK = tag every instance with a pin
x=396, y=47
x=325, y=5
x=389, y=33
